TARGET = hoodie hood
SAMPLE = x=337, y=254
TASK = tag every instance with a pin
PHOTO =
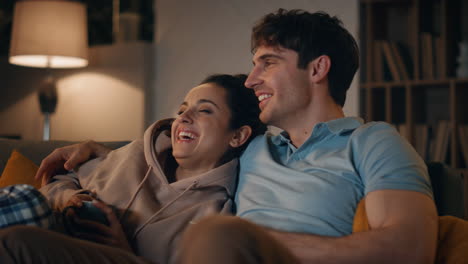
x=158, y=148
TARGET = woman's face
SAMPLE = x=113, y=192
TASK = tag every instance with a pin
x=200, y=134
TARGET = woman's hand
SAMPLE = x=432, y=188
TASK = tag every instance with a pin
x=77, y=200
x=67, y=158
x=112, y=235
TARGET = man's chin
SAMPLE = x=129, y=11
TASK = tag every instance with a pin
x=265, y=118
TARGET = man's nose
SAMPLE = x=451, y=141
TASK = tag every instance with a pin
x=253, y=79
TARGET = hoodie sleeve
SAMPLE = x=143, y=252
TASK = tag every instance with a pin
x=63, y=187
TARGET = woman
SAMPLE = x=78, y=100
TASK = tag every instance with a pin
x=183, y=170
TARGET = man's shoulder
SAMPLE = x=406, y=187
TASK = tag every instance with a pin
x=374, y=129
x=260, y=144
x=373, y=126
x=257, y=143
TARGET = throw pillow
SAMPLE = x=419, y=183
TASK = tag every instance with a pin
x=19, y=170
x=452, y=240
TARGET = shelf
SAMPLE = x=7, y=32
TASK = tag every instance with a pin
x=386, y=1
x=408, y=76
x=415, y=83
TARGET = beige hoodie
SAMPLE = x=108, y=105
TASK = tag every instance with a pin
x=155, y=212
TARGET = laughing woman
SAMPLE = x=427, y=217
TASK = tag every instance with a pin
x=182, y=170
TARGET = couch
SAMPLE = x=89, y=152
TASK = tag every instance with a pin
x=450, y=195
x=450, y=187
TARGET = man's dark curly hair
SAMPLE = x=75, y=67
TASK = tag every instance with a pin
x=312, y=35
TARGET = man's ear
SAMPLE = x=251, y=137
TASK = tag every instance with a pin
x=240, y=136
x=319, y=68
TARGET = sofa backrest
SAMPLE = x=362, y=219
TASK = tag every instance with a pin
x=37, y=150
x=449, y=186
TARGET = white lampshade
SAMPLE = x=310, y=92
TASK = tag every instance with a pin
x=49, y=34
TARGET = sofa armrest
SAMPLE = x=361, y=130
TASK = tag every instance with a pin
x=449, y=189
x=465, y=179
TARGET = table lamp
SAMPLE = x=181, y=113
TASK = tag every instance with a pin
x=49, y=34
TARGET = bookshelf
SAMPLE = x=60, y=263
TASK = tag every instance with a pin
x=410, y=74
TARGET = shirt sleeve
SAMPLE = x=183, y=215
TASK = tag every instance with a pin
x=385, y=160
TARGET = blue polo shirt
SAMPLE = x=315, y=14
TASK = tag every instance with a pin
x=316, y=188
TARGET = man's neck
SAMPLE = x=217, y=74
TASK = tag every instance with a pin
x=301, y=131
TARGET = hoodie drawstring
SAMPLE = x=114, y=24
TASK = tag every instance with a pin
x=135, y=193
x=162, y=209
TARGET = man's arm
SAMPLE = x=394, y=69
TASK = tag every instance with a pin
x=68, y=158
x=403, y=230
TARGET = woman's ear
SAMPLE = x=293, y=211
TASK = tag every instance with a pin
x=241, y=135
x=319, y=68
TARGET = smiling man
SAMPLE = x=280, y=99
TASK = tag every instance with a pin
x=298, y=191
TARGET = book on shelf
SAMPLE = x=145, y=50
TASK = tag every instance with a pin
x=421, y=140
x=440, y=141
x=400, y=62
x=440, y=60
x=427, y=56
x=378, y=68
x=446, y=140
x=390, y=60
x=463, y=139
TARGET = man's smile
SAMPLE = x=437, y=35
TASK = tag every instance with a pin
x=263, y=99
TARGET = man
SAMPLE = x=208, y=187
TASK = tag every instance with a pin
x=298, y=191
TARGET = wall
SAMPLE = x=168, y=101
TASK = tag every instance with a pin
x=120, y=93
x=196, y=38
x=93, y=102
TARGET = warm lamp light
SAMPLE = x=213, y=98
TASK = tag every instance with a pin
x=49, y=34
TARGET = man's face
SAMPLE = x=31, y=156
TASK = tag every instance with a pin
x=281, y=87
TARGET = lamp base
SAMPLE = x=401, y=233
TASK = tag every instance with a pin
x=46, y=134
x=48, y=95
x=47, y=102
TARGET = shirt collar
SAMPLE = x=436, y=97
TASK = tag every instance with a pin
x=281, y=138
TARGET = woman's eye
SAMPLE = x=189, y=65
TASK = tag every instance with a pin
x=208, y=111
x=180, y=112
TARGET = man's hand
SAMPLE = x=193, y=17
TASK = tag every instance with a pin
x=112, y=235
x=67, y=158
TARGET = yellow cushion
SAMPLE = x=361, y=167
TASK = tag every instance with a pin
x=452, y=242
x=360, y=223
x=19, y=170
